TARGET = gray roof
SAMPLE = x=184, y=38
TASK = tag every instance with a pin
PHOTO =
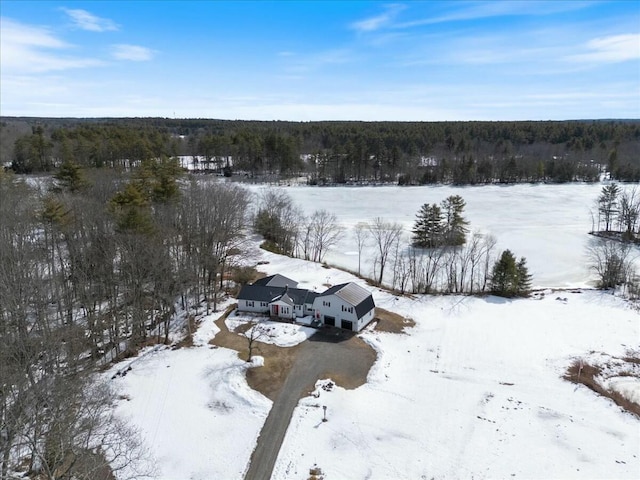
x=276, y=280
x=353, y=294
x=261, y=293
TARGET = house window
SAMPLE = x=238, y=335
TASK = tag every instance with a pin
x=263, y=304
x=326, y=304
x=249, y=303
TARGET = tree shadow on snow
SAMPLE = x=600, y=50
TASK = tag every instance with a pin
x=497, y=300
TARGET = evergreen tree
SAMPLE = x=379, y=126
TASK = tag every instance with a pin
x=608, y=205
x=524, y=278
x=132, y=210
x=510, y=278
x=428, y=229
x=70, y=177
x=455, y=230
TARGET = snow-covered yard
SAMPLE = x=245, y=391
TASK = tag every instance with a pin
x=473, y=390
x=198, y=417
x=275, y=333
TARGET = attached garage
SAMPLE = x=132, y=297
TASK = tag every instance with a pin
x=329, y=320
x=347, y=325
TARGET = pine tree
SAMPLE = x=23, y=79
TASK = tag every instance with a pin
x=455, y=230
x=608, y=205
x=132, y=210
x=428, y=229
x=508, y=278
x=70, y=177
x=524, y=278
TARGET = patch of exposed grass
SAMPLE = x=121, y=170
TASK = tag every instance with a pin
x=586, y=374
x=391, y=322
x=269, y=378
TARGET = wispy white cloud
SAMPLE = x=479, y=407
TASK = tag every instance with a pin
x=375, y=23
x=611, y=49
x=472, y=10
x=134, y=53
x=318, y=61
x=34, y=49
x=88, y=21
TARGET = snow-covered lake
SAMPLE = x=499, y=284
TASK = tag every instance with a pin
x=547, y=224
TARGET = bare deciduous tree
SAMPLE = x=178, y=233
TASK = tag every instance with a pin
x=385, y=235
x=326, y=232
x=629, y=212
x=258, y=331
x=611, y=261
x=361, y=230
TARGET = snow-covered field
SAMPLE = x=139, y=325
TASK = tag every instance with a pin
x=547, y=224
x=472, y=391
x=197, y=416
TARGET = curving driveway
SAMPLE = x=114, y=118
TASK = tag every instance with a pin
x=329, y=353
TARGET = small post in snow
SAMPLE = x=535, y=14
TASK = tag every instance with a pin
x=324, y=418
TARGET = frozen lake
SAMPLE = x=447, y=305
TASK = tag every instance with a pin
x=547, y=224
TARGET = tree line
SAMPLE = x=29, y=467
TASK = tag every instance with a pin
x=441, y=258
x=92, y=267
x=407, y=153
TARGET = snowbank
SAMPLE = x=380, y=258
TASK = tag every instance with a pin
x=628, y=387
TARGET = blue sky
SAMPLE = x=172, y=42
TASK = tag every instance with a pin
x=313, y=60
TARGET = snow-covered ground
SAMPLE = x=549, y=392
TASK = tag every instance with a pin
x=546, y=223
x=197, y=416
x=275, y=333
x=474, y=390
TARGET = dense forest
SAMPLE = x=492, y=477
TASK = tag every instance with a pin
x=93, y=266
x=337, y=152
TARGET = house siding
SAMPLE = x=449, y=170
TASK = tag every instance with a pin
x=331, y=306
x=261, y=299
x=284, y=310
x=254, y=306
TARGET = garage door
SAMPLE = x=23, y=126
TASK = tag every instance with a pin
x=329, y=320
x=347, y=324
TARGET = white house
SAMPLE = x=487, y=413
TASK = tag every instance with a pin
x=348, y=306
x=281, y=302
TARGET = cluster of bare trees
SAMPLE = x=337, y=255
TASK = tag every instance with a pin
x=287, y=230
x=86, y=276
x=444, y=269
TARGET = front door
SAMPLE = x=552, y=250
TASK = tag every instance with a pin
x=274, y=310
